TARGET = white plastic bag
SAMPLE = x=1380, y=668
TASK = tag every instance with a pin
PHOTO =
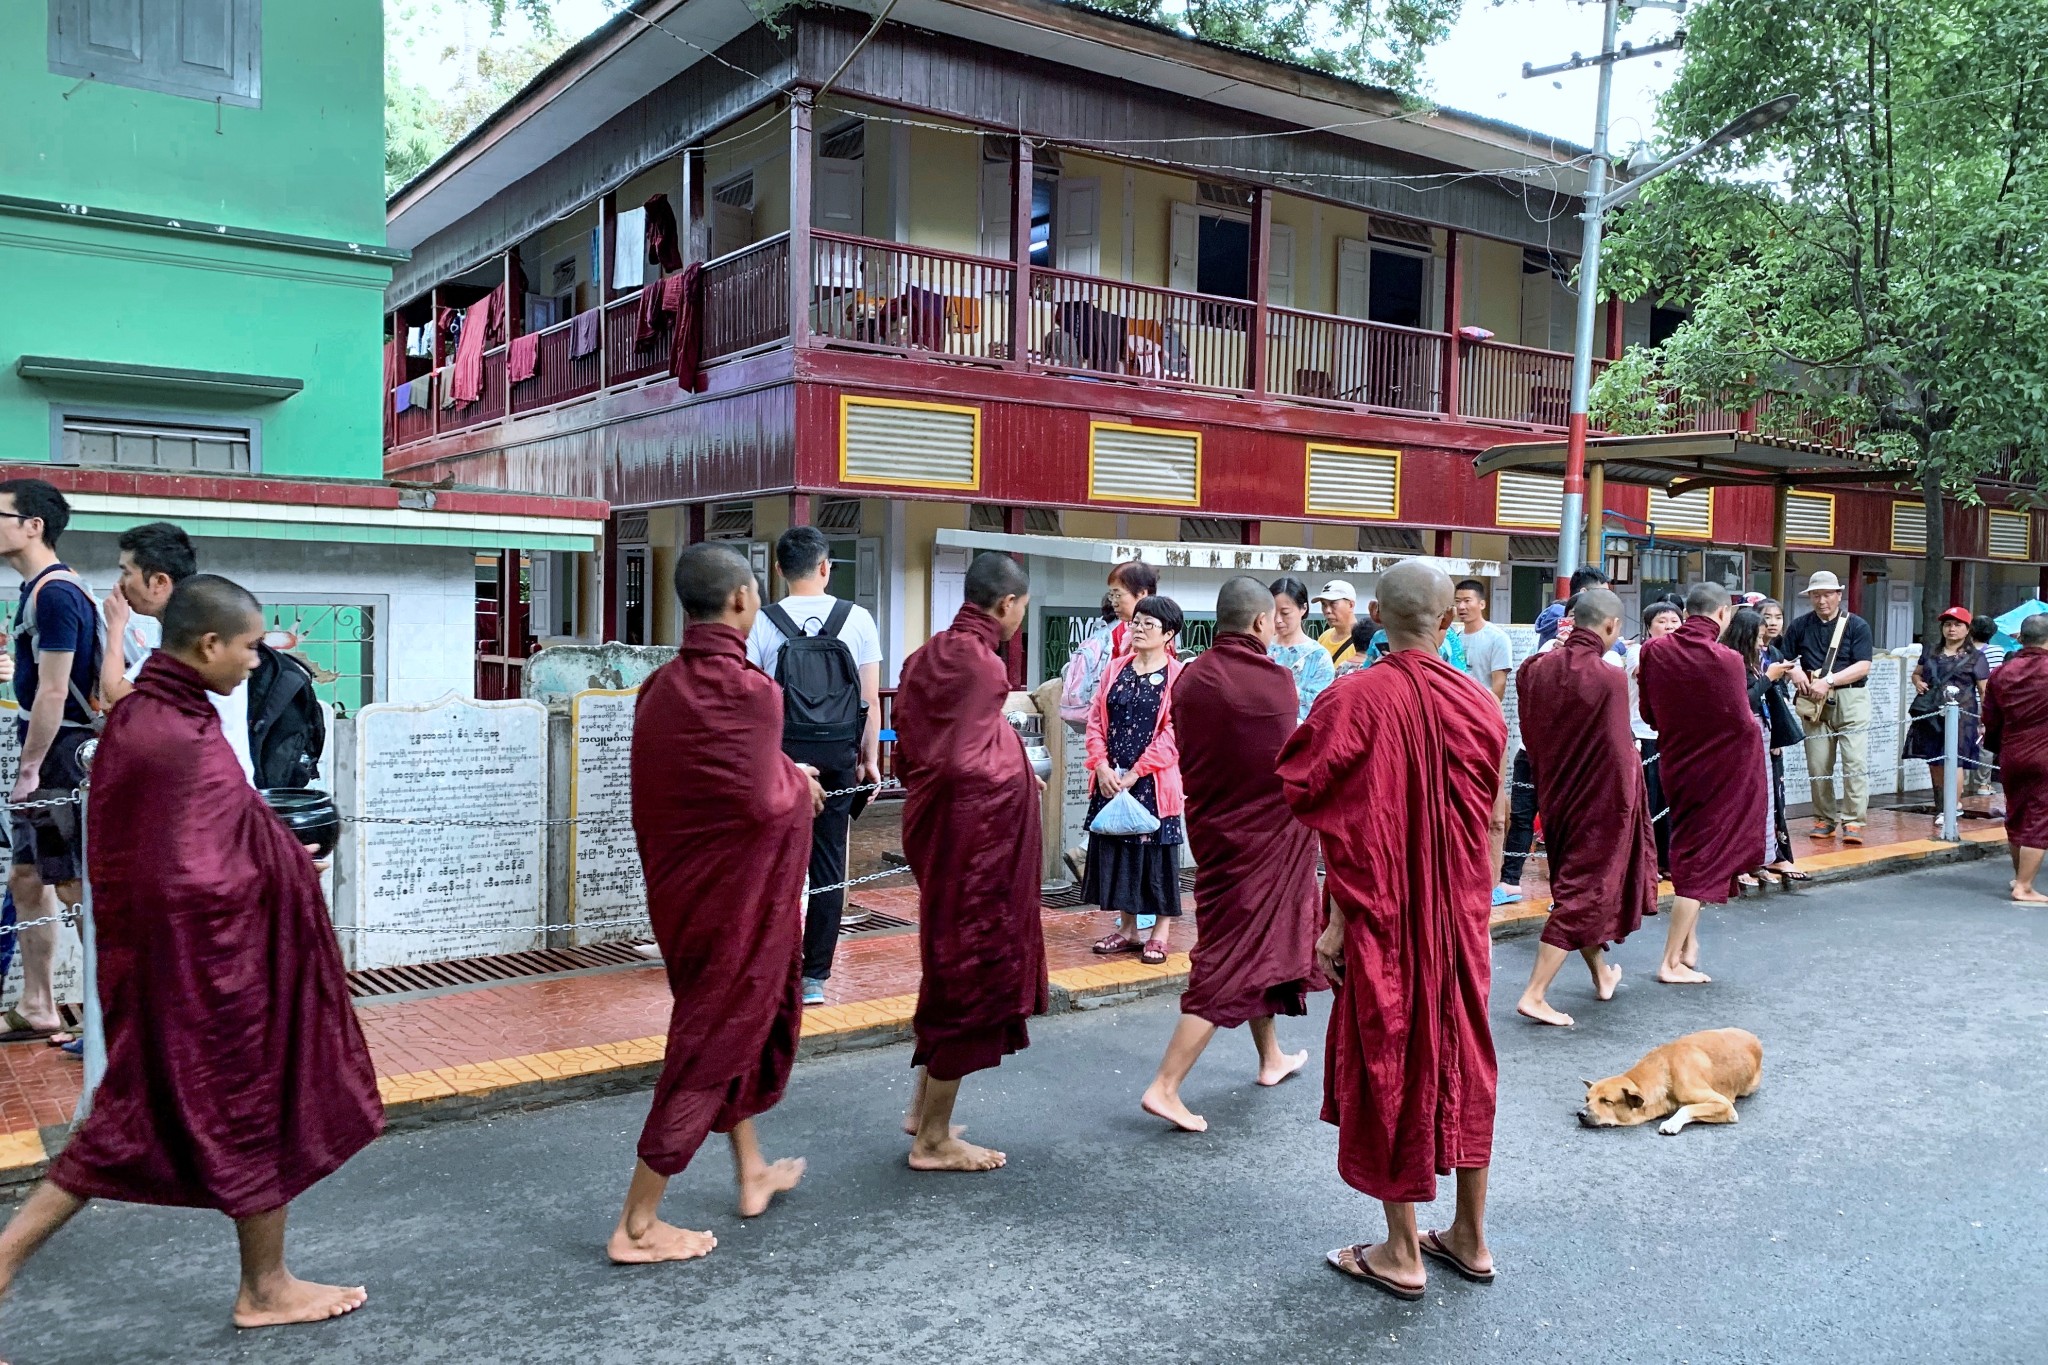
x=1123, y=816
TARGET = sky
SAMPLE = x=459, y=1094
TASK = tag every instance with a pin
x=1478, y=69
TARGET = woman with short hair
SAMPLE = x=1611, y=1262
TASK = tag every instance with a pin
x=1131, y=749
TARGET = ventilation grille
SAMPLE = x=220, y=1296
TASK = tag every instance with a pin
x=1406, y=234
x=1533, y=549
x=155, y=445
x=1042, y=521
x=2009, y=535
x=738, y=192
x=1222, y=196
x=847, y=142
x=1142, y=464
x=730, y=521
x=1909, y=526
x=839, y=514
x=633, y=528
x=1038, y=521
x=1528, y=500
x=921, y=445
x=1690, y=514
x=1390, y=540
x=1810, y=519
x=987, y=517
x=1354, y=483
x=484, y=971
x=1212, y=530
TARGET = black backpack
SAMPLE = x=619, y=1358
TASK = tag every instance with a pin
x=823, y=715
x=287, y=728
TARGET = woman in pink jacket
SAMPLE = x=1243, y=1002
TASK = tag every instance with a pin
x=1131, y=748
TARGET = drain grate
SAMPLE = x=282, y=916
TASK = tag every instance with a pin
x=874, y=922
x=483, y=971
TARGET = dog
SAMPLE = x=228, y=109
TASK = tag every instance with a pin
x=1696, y=1079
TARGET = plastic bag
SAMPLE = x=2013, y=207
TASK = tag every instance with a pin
x=1123, y=817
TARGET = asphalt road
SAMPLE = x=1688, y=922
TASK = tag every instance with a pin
x=1885, y=1197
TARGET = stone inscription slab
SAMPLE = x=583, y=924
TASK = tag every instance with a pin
x=607, y=890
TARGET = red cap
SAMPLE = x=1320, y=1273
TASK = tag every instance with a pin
x=1957, y=614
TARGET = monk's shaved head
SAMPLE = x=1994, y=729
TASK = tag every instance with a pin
x=1595, y=608
x=1239, y=602
x=207, y=604
x=707, y=576
x=2034, y=630
x=993, y=576
x=1413, y=598
x=1704, y=599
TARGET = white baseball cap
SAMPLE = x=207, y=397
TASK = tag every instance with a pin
x=1336, y=590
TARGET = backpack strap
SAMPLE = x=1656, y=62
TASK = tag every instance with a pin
x=837, y=619
x=25, y=624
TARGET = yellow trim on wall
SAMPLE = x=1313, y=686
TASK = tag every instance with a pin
x=1891, y=529
x=849, y=401
x=1791, y=539
x=2026, y=520
x=1308, y=481
x=1094, y=496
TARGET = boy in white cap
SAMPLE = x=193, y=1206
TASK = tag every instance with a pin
x=1339, y=601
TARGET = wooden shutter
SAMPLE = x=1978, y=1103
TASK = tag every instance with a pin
x=914, y=445
x=1690, y=514
x=1144, y=464
x=1810, y=519
x=1528, y=500
x=1909, y=526
x=1350, y=481
x=2009, y=535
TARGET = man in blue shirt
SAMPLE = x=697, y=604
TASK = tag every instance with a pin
x=1551, y=617
x=57, y=646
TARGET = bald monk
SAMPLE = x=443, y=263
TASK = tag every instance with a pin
x=1595, y=806
x=970, y=831
x=1399, y=769
x=236, y=1073
x=2016, y=729
x=1256, y=897
x=723, y=821
x=1695, y=695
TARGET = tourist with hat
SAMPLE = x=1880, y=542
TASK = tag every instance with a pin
x=1339, y=601
x=1831, y=648
x=1953, y=668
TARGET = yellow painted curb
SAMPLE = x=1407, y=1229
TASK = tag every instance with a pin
x=22, y=1148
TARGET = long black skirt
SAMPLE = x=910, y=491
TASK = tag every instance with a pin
x=1133, y=876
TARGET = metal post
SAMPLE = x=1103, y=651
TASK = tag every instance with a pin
x=95, y=1031
x=1569, y=550
x=1951, y=744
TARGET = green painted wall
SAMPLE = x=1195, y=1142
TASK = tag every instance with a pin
x=309, y=161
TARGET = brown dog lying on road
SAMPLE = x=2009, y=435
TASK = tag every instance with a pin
x=1695, y=1080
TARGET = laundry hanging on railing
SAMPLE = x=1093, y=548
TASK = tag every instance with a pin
x=629, y=249
x=522, y=358
x=467, y=385
x=586, y=333
x=664, y=243
x=684, y=293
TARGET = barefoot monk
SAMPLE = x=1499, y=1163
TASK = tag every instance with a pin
x=236, y=1073
x=723, y=821
x=1595, y=806
x=1255, y=865
x=970, y=831
x=2016, y=729
x=1399, y=769
x=1695, y=695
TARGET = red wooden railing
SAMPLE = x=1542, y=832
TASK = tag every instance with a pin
x=416, y=423
x=1519, y=384
x=1371, y=364
x=557, y=376
x=626, y=357
x=746, y=299
x=906, y=299
x=1085, y=325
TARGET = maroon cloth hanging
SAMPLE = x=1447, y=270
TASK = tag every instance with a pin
x=686, y=337
x=522, y=358
x=467, y=384
x=586, y=333
x=664, y=243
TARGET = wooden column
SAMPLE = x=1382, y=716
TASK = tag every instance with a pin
x=799, y=510
x=607, y=245
x=800, y=171
x=434, y=349
x=1442, y=547
x=1852, y=591
x=1596, y=514
x=1454, y=312
x=1261, y=256
x=686, y=220
x=1614, y=326
x=1958, y=581
x=515, y=308
x=1013, y=521
x=1781, y=500
x=698, y=517
x=1021, y=173
x=1250, y=534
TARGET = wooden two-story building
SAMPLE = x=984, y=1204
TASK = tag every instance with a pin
x=1019, y=274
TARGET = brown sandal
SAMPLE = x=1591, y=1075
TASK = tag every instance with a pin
x=1363, y=1273
x=1432, y=1244
x=1154, y=952
x=1113, y=944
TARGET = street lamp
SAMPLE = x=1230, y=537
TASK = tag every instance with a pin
x=1598, y=201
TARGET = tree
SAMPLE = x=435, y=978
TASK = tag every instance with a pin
x=1383, y=43
x=1879, y=253
x=420, y=125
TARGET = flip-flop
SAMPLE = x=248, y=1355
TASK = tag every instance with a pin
x=1432, y=1244
x=20, y=1030
x=1363, y=1273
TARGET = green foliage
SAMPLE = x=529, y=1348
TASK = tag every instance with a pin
x=420, y=125
x=1383, y=43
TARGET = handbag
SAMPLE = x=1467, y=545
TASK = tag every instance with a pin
x=1811, y=709
x=1783, y=719
x=1122, y=817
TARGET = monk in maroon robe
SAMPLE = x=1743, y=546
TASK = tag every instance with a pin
x=236, y=1073
x=970, y=831
x=1256, y=899
x=1695, y=695
x=1593, y=798
x=2016, y=729
x=723, y=821
x=1398, y=767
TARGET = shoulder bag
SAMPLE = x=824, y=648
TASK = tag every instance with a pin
x=1811, y=709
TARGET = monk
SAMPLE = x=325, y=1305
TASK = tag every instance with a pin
x=1695, y=695
x=723, y=821
x=236, y=1075
x=1595, y=805
x=1398, y=768
x=1256, y=897
x=970, y=831
x=2016, y=729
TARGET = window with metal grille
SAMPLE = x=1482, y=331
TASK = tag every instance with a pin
x=339, y=640
x=1212, y=530
x=839, y=514
x=730, y=521
x=155, y=445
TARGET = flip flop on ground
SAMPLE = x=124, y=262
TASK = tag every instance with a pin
x=20, y=1030
x=1350, y=1263
x=1432, y=1244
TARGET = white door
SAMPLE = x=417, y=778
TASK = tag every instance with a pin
x=867, y=575
x=995, y=210
x=1535, y=309
x=1184, y=248
x=1280, y=265
x=836, y=196
x=1354, y=278
x=1079, y=219
x=949, y=585
x=1898, y=615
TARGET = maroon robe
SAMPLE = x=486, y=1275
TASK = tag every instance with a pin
x=2016, y=729
x=1398, y=768
x=1256, y=899
x=1591, y=792
x=970, y=831
x=1710, y=755
x=723, y=821
x=236, y=1073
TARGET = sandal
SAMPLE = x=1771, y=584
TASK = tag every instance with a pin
x=1113, y=944
x=20, y=1030
x=1747, y=882
x=1788, y=875
x=1358, y=1270
x=1154, y=952
x=1432, y=1244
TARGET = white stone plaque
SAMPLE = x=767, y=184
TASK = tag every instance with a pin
x=607, y=890
x=477, y=889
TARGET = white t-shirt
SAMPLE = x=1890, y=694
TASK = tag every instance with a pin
x=1488, y=650
x=141, y=639
x=764, y=642
x=1635, y=694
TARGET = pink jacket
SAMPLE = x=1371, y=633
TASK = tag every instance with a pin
x=1161, y=759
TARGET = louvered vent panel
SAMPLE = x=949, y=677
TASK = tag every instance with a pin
x=1130, y=464
x=2009, y=535
x=633, y=528
x=1909, y=526
x=1354, y=483
x=926, y=447
x=839, y=515
x=1391, y=540
x=1528, y=500
x=1690, y=514
x=1809, y=519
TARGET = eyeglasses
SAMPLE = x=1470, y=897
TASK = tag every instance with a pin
x=20, y=516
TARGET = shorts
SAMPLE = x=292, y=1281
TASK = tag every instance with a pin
x=41, y=845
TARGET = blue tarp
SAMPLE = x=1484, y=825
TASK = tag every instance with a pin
x=2009, y=624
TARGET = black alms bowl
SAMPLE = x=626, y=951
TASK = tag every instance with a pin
x=309, y=813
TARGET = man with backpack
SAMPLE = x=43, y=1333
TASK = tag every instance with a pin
x=826, y=654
